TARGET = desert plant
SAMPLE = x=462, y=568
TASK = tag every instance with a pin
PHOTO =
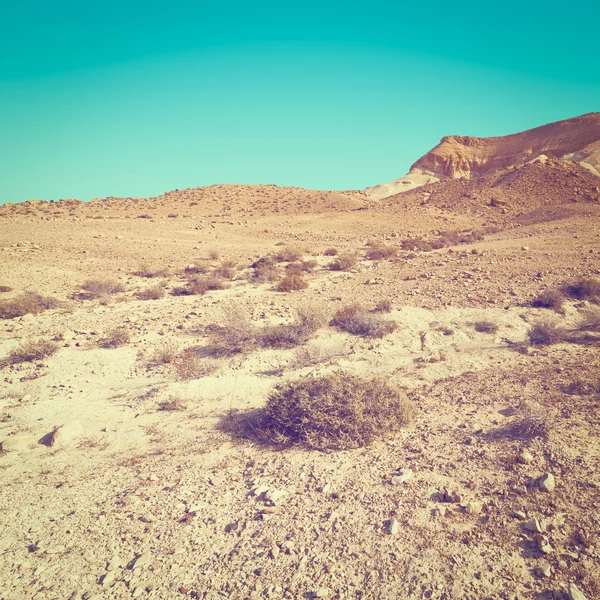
x=189, y=365
x=144, y=270
x=553, y=299
x=344, y=262
x=583, y=387
x=304, y=266
x=383, y=306
x=96, y=288
x=485, y=327
x=585, y=289
x=32, y=351
x=265, y=270
x=198, y=286
x=226, y=270
x=546, y=332
x=330, y=252
x=5, y=288
x=334, y=412
x=27, y=303
x=292, y=283
x=531, y=421
x=289, y=254
x=192, y=269
x=171, y=405
x=416, y=244
x=357, y=320
x=590, y=319
x=314, y=354
x=213, y=254
x=379, y=252
x=164, y=354
x=119, y=336
x=154, y=292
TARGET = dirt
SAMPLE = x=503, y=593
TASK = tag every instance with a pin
x=135, y=501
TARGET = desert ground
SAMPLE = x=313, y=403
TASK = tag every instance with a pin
x=130, y=467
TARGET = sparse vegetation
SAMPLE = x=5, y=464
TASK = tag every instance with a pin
x=154, y=292
x=289, y=254
x=585, y=289
x=305, y=266
x=32, y=351
x=292, y=283
x=334, y=412
x=317, y=353
x=590, y=320
x=531, y=421
x=546, y=332
x=28, y=303
x=380, y=252
x=330, y=252
x=357, y=320
x=5, y=288
x=174, y=404
x=383, y=306
x=189, y=365
x=97, y=288
x=144, y=270
x=198, y=286
x=164, y=354
x=553, y=299
x=119, y=336
x=485, y=327
x=226, y=270
x=344, y=262
x=265, y=270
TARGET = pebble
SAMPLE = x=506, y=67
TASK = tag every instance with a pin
x=525, y=457
x=474, y=508
x=519, y=514
x=543, y=544
x=402, y=477
x=575, y=593
x=109, y=577
x=138, y=591
x=533, y=525
x=321, y=593
x=544, y=570
x=546, y=482
x=274, y=495
x=141, y=560
x=393, y=526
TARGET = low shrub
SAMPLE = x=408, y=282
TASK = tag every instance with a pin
x=590, y=320
x=5, y=288
x=357, y=320
x=198, y=286
x=289, y=254
x=27, y=303
x=334, y=412
x=151, y=293
x=119, y=336
x=531, y=421
x=144, y=270
x=305, y=266
x=381, y=252
x=330, y=252
x=32, y=351
x=553, y=299
x=164, y=354
x=96, y=288
x=485, y=327
x=585, y=289
x=174, y=404
x=189, y=365
x=344, y=262
x=383, y=306
x=292, y=283
x=546, y=332
x=226, y=270
x=416, y=244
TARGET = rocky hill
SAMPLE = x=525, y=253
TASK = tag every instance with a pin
x=457, y=157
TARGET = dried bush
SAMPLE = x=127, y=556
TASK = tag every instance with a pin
x=151, y=293
x=195, y=269
x=226, y=270
x=289, y=254
x=144, y=270
x=546, y=332
x=344, y=262
x=377, y=252
x=383, y=306
x=334, y=412
x=317, y=353
x=213, y=255
x=27, y=303
x=96, y=288
x=305, y=266
x=585, y=289
x=191, y=366
x=330, y=252
x=198, y=286
x=583, y=387
x=553, y=299
x=5, y=288
x=416, y=244
x=31, y=351
x=357, y=320
x=485, y=327
x=164, y=354
x=531, y=421
x=292, y=283
x=265, y=270
x=590, y=320
x=171, y=405
x=119, y=336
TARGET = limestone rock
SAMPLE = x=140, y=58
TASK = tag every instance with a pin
x=66, y=434
x=546, y=482
x=17, y=443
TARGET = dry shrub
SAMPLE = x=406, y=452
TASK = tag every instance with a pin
x=96, y=288
x=330, y=252
x=377, y=252
x=531, y=421
x=198, y=286
x=226, y=270
x=357, y=320
x=289, y=254
x=305, y=266
x=334, y=412
x=485, y=327
x=583, y=387
x=344, y=262
x=171, y=405
x=195, y=269
x=292, y=283
x=235, y=335
x=213, y=254
x=5, y=288
x=265, y=270
x=31, y=351
x=119, y=336
x=585, y=289
x=144, y=270
x=151, y=293
x=164, y=354
x=27, y=303
x=416, y=244
x=546, y=332
x=590, y=320
x=383, y=306
x=190, y=366
x=315, y=354
x=553, y=299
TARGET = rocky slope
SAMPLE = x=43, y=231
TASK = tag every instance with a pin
x=456, y=157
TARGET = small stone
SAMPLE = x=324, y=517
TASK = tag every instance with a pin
x=274, y=495
x=449, y=496
x=260, y=490
x=525, y=457
x=575, y=593
x=474, y=508
x=543, y=570
x=321, y=593
x=402, y=477
x=519, y=514
x=109, y=577
x=141, y=560
x=393, y=526
x=546, y=482
x=533, y=525
x=326, y=488
x=115, y=563
x=138, y=591
x=543, y=544
x=66, y=434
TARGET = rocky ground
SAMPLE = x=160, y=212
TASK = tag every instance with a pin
x=121, y=478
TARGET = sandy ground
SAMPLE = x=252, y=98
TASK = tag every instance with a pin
x=141, y=502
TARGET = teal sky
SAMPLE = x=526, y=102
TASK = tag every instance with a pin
x=134, y=98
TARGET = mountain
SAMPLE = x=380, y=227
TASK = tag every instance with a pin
x=467, y=157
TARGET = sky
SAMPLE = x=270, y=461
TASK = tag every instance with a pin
x=132, y=98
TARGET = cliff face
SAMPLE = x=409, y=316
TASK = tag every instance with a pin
x=457, y=157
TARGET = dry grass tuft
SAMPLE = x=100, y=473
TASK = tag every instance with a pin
x=383, y=306
x=316, y=354
x=344, y=262
x=5, y=288
x=151, y=293
x=289, y=254
x=305, y=266
x=357, y=320
x=553, y=299
x=32, y=351
x=265, y=270
x=333, y=412
x=164, y=354
x=547, y=332
x=590, y=320
x=292, y=283
x=330, y=252
x=27, y=303
x=531, y=421
x=198, y=286
x=380, y=252
x=585, y=289
x=119, y=336
x=171, y=405
x=96, y=288
x=485, y=327
x=144, y=270
x=190, y=366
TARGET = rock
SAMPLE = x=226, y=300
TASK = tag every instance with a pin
x=324, y=489
x=274, y=495
x=546, y=483
x=141, y=561
x=25, y=398
x=543, y=544
x=109, y=577
x=474, y=508
x=393, y=526
x=115, y=563
x=519, y=514
x=260, y=490
x=525, y=457
x=543, y=570
x=533, y=525
x=18, y=443
x=402, y=477
x=575, y=593
x=449, y=496
x=321, y=593
x=66, y=434
x=138, y=591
